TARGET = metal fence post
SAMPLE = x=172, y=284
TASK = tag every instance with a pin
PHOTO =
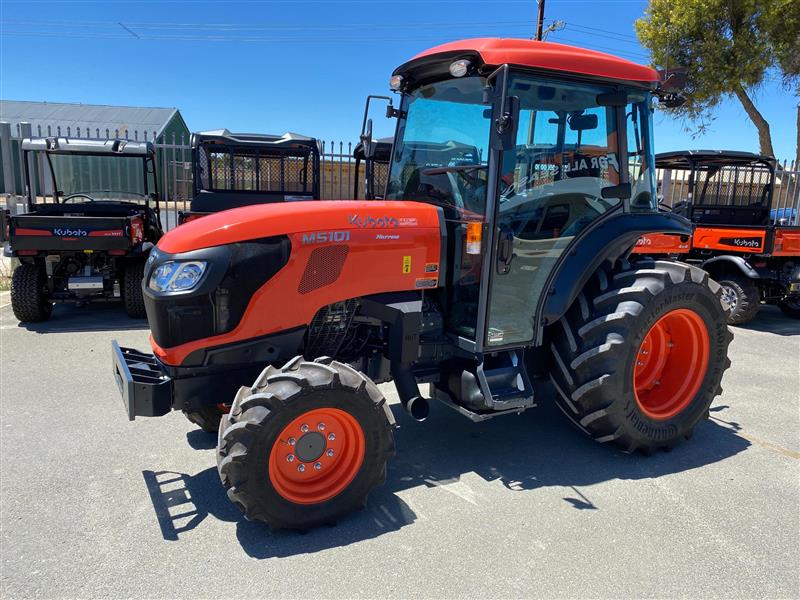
x=9, y=182
x=24, y=132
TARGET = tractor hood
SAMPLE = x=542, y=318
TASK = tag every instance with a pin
x=311, y=217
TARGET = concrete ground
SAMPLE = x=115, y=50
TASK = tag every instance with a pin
x=94, y=505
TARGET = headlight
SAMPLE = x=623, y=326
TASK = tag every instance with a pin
x=173, y=276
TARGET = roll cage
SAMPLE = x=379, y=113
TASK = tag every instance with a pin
x=266, y=165
x=54, y=146
x=723, y=187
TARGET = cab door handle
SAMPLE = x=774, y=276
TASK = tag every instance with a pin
x=505, y=250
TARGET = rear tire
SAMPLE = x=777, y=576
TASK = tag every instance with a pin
x=305, y=445
x=28, y=294
x=132, y=294
x=743, y=296
x=791, y=308
x=640, y=355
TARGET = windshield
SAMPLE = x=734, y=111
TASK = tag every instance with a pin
x=442, y=146
x=112, y=177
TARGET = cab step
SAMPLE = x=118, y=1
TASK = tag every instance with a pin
x=498, y=385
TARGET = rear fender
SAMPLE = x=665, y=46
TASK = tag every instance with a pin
x=726, y=263
x=608, y=240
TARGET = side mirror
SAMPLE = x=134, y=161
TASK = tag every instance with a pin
x=673, y=80
x=367, y=142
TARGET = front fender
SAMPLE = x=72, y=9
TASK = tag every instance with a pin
x=609, y=239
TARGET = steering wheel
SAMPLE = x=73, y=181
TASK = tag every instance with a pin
x=73, y=196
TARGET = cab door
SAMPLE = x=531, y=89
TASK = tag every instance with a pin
x=549, y=191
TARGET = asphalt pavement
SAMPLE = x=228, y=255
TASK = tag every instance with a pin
x=92, y=505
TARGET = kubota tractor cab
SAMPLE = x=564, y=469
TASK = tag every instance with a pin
x=740, y=236
x=92, y=218
x=239, y=169
x=376, y=169
x=521, y=177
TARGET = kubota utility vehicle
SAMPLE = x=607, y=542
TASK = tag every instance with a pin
x=90, y=243
x=501, y=251
x=239, y=169
x=749, y=246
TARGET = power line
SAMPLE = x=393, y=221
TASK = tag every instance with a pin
x=246, y=27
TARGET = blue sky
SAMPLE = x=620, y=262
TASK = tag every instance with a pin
x=305, y=66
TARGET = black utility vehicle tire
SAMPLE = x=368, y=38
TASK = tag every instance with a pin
x=791, y=308
x=28, y=296
x=596, y=347
x=747, y=298
x=260, y=415
x=132, y=294
x=206, y=418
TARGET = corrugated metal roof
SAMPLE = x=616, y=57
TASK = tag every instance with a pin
x=87, y=117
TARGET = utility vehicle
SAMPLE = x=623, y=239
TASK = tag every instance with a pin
x=501, y=252
x=89, y=243
x=239, y=169
x=750, y=246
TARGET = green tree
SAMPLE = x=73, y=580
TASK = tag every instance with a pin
x=728, y=48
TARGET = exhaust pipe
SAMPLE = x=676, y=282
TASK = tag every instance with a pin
x=414, y=403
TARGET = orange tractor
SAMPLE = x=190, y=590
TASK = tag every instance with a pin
x=521, y=177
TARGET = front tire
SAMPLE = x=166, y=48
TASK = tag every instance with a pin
x=305, y=444
x=132, y=294
x=640, y=355
x=28, y=294
x=743, y=296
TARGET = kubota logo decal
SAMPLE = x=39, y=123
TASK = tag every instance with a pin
x=741, y=242
x=65, y=232
x=369, y=221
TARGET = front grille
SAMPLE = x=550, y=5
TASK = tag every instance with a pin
x=329, y=328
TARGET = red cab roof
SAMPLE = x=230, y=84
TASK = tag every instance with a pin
x=547, y=55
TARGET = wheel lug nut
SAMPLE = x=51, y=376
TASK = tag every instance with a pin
x=304, y=428
x=317, y=466
x=292, y=441
x=330, y=452
x=290, y=458
x=321, y=426
x=301, y=468
x=331, y=437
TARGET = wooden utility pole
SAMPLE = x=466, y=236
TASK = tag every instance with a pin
x=540, y=20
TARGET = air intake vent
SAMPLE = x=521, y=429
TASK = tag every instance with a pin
x=323, y=268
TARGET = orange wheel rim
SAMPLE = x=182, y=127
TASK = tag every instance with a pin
x=316, y=456
x=671, y=364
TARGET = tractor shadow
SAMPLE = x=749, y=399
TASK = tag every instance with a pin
x=770, y=319
x=68, y=318
x=538, y=449
x=182, y=502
